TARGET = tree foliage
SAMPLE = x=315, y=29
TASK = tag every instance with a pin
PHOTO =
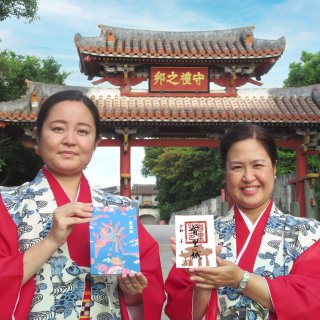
x=306, y=72
x=288, y=164
x=287, y=161
x=26, y=9
x=18, y=164
x=15, y=69
x=185, y=176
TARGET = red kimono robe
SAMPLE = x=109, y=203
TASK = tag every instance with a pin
x=295, y=296
x=17, y=299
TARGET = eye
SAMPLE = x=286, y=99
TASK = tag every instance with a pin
x=236, y=167
x=57, y=129
x=83, y=132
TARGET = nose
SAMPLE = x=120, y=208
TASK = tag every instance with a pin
x=247, y=176
x=69, y=137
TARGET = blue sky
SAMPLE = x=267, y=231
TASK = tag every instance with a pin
x=60, y=20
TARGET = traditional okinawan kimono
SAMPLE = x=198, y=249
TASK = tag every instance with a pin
x=282, y=248
x=57, y=289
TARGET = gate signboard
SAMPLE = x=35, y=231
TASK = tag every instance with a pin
x=179, y=79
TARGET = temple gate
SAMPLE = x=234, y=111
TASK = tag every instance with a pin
x=180, y=106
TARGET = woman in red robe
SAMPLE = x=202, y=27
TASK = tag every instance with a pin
x=44, y=230
x=268, y=262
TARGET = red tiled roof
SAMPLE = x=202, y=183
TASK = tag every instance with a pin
x=118, y=51
x=213, y=44
x=290, y=112
x=276, y=109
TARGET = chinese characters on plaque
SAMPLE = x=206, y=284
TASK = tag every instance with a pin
x=195, y=241
x=114, y=244
x=179, y=79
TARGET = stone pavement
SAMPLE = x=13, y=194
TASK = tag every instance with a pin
x=162, y=233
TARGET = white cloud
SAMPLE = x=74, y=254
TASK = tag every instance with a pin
x=61, y=9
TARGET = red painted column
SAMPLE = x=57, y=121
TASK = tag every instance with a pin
x=302, y=169
x=125, y=170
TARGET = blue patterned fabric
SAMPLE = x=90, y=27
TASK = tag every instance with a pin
x=286, y=237
x=60, y=283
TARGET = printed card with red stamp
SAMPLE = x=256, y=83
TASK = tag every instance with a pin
x=195, y=241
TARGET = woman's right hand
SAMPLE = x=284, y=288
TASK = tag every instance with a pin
x=173, y=245
x=65, y=217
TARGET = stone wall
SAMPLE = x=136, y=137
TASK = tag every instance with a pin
x=284, y=193
x=210, y=206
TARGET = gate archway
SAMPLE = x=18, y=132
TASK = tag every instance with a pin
x=294, y=117
x=179, y=108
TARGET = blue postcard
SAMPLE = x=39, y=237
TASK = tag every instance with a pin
x=114, y=242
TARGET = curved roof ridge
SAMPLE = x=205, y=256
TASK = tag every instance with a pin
x=14, y=105
x=295, y=91
x=124, y=33
x=279, y=43
x=280, y=92
x=46, y=89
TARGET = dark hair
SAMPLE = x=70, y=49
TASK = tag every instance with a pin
x=68, y=95
x=245, y=131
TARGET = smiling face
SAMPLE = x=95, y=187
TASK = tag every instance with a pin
x=250, y=176
x=68, y=138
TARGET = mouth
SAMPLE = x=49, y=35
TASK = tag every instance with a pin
x=250, y=189
x=68, y=153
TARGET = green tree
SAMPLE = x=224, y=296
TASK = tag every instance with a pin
x=287, y=161
x=26, y=9
x=18, y=163
x=185, y=176
x=15, y=69
x=306, y=72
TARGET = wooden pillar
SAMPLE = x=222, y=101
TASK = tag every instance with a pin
x=312, y=207
x=125, y=170
x=301, y=161
x=301, y=172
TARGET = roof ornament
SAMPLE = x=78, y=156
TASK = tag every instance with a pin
x=111, y=38
x=311, y=139
x=247, y=38
x=35, y=101
x=125, y=132
x=125, y=74
x=233, y=76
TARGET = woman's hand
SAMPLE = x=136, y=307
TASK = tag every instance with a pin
x=132, y=285
x=65, y=217
x=225, y=274
x=173, y=245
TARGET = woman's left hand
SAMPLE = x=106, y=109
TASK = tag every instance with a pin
x=132, y=283
x=226, y=274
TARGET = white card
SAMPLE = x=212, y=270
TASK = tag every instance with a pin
x=195, y=241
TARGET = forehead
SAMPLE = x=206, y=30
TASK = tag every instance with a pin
x=251, y=149
x=70, y=111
